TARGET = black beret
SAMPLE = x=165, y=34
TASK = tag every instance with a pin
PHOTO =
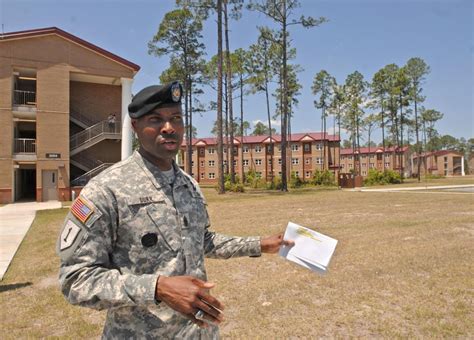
x=153, y=97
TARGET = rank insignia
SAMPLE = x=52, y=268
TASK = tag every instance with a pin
x=176, y=92
x=82, y=209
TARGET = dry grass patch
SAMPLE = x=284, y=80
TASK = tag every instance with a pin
x=403, y=268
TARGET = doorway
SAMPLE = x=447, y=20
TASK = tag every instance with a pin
x=25, y=184
x=50, y=185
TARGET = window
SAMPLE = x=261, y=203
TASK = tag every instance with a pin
x=279, y=161
x=269, y=161
x=364, y=173
x=201, y=151
x=349, y=158
x=343, y=166
x=387, y=156
x=343, y=158
x=319, y=160
x=371, y=165
x=258, y=162
x=258, y=174
x=235, y=162
x=364, y=165
x=211, y=151
x=192, y=164
x=307, y=147
x=350, y=166
x=225, y=150
x=295, y=147
x=211, y=163
x=279, y=147
x=297, y=173
x=245, y=149
x=387, y=165
x=307, y=174
x=202, y=175
x=212, y=175
x=307, y=160
x=202, y=164
x=363, y=156
x=246, y=162
x=372, y=156
x=295, y=161
x=319, y=146
x=225, y=162
x=258, y=148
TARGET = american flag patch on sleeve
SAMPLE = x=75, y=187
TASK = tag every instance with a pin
x=82, y=209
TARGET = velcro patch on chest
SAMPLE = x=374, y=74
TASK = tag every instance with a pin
x=69, y=234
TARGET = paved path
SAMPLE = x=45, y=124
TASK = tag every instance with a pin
x=15, y=220
x=464, y=188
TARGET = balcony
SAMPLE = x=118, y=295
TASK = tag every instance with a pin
x=24, y=146
x=23, y=98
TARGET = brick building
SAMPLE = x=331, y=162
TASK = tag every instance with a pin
x=57, y=96
x=307, y=152
x=441, y=163
x=375, y=158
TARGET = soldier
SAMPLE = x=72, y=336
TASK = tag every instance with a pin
x=135, y=239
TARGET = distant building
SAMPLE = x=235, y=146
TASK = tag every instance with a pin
x=307, y=152
x=441, y=163
x=57, y=97
x=376, y=158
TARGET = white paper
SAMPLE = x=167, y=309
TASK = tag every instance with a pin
x=312, y=250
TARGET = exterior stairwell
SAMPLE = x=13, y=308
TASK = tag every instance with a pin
x=85, y=139
x=80, y=120
x=93, y=135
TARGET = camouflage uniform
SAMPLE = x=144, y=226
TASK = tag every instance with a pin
x=137, y=226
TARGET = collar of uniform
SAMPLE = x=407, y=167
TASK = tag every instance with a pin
x=148, y=167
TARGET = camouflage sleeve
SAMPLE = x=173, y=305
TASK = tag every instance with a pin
x=224, y=247
x=86, y=276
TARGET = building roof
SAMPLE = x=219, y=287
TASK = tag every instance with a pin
x=295, y=137
x=56, y=31
x=372, y=150
x=439, y=153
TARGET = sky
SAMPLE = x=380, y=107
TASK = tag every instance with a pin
x=360, y=35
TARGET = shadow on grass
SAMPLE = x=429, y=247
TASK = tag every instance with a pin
x=13, y=286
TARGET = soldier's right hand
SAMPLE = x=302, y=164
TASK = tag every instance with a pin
x=188, y=295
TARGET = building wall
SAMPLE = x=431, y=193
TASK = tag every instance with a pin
x=67, y=75
x=257, y=157
x=374, y=160
x=440, y=164
x=85, y=101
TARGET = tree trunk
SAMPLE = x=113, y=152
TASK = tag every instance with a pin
x=242, y=126
x=220, y=156
x=284, y=184
x=190, y=127
x=230, y=91
x=418, y=149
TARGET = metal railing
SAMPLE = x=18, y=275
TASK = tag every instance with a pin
x=94, y=131
x=86, y=161
x=24, y=145
x=24, y=97
x=82, y=118
x=83, y=179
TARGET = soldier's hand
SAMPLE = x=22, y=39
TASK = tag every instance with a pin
x=188, y=295
x=272, y=244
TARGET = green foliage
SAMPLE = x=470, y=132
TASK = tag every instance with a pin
x=376, y=177
x=252, y=180
x=325, y=178
x=295, y=181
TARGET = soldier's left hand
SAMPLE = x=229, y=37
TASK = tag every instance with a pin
x=272, y=244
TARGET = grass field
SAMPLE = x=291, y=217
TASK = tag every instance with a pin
x=403, y=268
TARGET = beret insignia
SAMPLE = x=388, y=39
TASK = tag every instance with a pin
x=175, y=92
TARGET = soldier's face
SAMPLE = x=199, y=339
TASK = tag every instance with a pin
x=160, y=134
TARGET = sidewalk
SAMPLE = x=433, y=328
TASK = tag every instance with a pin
x=15, y=220
x=439, y=187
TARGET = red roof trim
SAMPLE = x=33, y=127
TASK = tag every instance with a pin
x=373, y=150
x=296, y=137
x=69, y=36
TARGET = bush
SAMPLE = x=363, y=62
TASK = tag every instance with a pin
x=325, y=178
x=376, y=177
x=252, y=180
x=295, y=181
